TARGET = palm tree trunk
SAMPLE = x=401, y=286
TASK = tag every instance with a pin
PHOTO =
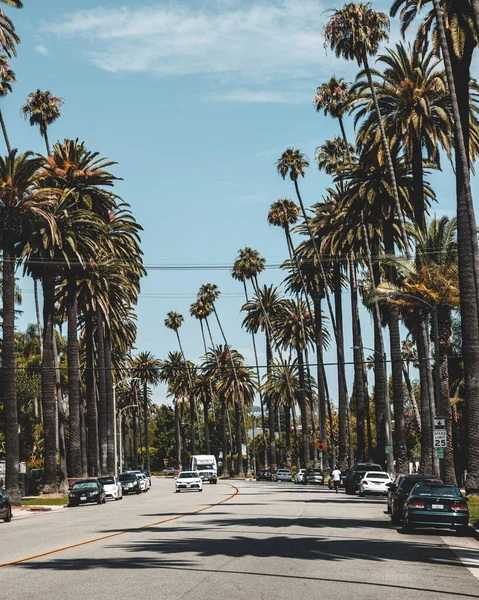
x=135, y=439
x=387, y=153
x=37, y=312
x=9, y=386
x=287, y=428
x=147, y=428
x=61, y=421
x=206, y=404
x=238, y=438
x=191, y=398
x=424, y=366
x=177, y=435
x=5, y=135
x=320, y=373
x=83, y=442
x=331, y=425
x=412, y=397
x=418, y=185
x=303, y=410
x=342, y=389
x=110, y=406
x=73, y=356
x=224, y=443
x=102, y=404
x=47, y=142
x=358, y=365
x=91, y=405
x=48, y=387
x=468, y=259
x=295, y=437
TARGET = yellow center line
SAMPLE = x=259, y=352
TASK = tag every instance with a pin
x=117, y=533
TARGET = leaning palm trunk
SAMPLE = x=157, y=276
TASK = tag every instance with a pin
x=103, y=418
x=468, y=263
x=5, y=135
x=73, y=356
x=9, y=391
x=48, y=387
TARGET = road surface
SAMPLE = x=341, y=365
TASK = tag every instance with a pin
x=264, y=541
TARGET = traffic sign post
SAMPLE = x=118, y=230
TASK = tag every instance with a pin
x=440, y=440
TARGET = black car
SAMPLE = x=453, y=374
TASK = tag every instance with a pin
x=85, y=491
x=264, y=475
x=130, y=483
x=434, y=504
x=394, y=485
x=5, y=508
x=399, y=494
x=351, y=483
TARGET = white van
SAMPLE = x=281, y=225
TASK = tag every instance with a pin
x=205, y=465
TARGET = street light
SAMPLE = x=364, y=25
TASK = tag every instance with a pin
x=114, y=427
x=389, y=455
x=121, y=437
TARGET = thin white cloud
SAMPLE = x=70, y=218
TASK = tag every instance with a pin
x=42, y=50
x=256, y=96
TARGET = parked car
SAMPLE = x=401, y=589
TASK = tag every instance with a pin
x=394, y=485
x=435, y=504
x=344, y=476
x=147, y=474
x=112, y=487
x=313, y=477
x=189, y=480
x=130, y=483
x=298, y=478
x=400, y=494
x=284, y=475
x=144, y=481
x=375, y=483
x=5, y=507
x=169, y=471
x=86, y=490
x=264, y=475
x=351, y=485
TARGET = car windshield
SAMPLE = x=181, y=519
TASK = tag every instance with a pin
x=127, y=477
x=408, y=484
x=85, y=485
x=449, y=491
x=205, y=467
x=188, y=475
x=374, y=475
x=107, y=480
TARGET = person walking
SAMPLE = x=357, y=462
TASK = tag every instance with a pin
x=336, y=475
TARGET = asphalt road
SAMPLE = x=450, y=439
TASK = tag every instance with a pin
x=269, y=541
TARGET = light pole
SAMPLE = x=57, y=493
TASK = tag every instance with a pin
x=389, y=455
x=114, y=427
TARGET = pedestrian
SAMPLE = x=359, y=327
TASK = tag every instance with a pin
x=336, y=475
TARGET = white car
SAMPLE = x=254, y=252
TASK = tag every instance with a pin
x=189, y=480
x=112, y=487
x=300, y=476
x=375, y=482
x=284, y=475
x=144, y=481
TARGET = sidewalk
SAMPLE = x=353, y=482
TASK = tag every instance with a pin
x=22, y=512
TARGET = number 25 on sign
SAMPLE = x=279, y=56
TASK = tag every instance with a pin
x=440, y=439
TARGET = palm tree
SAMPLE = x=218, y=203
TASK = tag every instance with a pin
x=8, y=37
x=355, y=32
x=455, y=36
x=174, y=321
x=334, y=98
x=146, y=368
x=20, y=204
x=42, y=109
x=7, y=81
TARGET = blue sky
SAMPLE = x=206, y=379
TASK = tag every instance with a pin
x=195, y=101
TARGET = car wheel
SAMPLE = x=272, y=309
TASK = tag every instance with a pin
x=104, y=500
x=8, y=518
x=200, y=490
x=395, y=518
x=138, y=491
x=177, y=491
x=407, y=526
x=99, y=501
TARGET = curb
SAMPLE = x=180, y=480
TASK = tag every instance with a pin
x=474, y=532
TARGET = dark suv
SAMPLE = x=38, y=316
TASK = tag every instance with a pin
x=351, y=484
x=264, y=475
x=400, y=493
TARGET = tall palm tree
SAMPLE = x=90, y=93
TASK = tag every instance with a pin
x=334, y=98
x=7, y=81
x=146, y=368
x=355, y=32
x=174, y=321
x=8, y=38
x=21, y=203
x=454, y=34
x=42, y=109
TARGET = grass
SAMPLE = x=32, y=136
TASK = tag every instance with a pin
x=46, y=502
x=474, y=510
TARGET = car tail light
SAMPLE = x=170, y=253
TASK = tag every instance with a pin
x=365, y=482
x=416, y=504
x=459, y=506
x=389, y=483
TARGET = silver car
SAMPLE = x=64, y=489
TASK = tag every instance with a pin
x=284, y=475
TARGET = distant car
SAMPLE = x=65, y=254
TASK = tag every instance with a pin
x=351, y=484
x=189, y=480
x=344, y=476
x=313, y=477
x=299, y=476
x=400, y=495
x=264, y=475
x=147, y=475
x=392, y=488
x=85, y=491
x=435, y=504
x=284, y=475
x=169, y=471
x=130, y=483
x=374, y=483
x=5, y=507
x=112, y=487
x=144, y=481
